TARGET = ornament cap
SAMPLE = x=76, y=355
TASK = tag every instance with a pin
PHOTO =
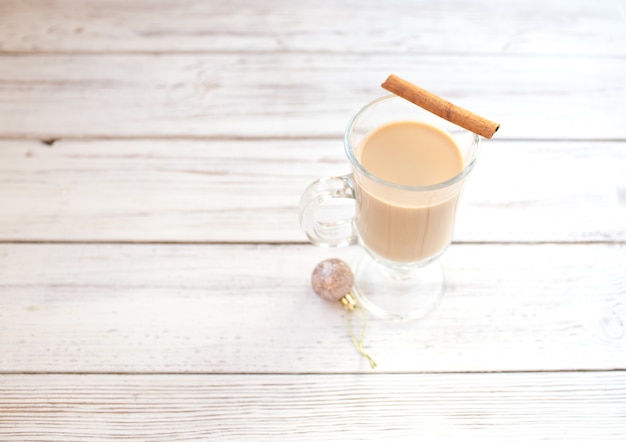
x=348, y=301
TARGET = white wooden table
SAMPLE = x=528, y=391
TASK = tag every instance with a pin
x=154, y=280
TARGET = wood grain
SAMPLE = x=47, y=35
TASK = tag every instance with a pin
x=506, y=406
x=399, y=26
x=298, y=95
x=234, y=191
x=250, y=309
x=154, y=283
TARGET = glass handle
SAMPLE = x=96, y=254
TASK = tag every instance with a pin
x=327, y=233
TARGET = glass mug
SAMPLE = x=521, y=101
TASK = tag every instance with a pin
x=402, y=230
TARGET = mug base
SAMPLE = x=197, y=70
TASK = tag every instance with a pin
x=392, y=298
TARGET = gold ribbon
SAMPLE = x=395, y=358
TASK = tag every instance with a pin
x=349, y=302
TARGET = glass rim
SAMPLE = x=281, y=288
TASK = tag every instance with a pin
x=349, y=152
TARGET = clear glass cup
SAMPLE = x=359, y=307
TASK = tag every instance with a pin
x=402, y=230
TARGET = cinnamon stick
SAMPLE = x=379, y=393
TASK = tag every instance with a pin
x=440, y=107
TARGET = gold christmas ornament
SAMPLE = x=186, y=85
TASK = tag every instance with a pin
x=332, y=280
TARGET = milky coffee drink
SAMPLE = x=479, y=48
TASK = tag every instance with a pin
x=393, y=222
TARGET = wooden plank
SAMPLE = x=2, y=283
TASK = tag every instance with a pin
x=507, y=406
x=234, y=191
x=250, y=309
x=297, y=95
x=401, y=26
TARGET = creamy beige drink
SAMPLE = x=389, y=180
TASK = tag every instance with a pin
x=393, y=222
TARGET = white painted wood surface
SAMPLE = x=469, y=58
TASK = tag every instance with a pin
x=154, y=284
x=579, y=27
x=208, y=190
x=250, y=309
x=468, y=406
x=277, y=95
